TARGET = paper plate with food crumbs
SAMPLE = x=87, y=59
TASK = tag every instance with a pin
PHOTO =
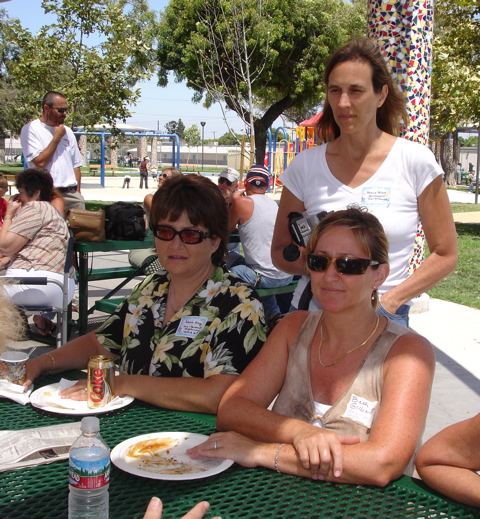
x=163, y=456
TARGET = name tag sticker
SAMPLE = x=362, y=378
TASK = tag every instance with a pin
x=376, y=196
x=361, y=410
x=190, y=326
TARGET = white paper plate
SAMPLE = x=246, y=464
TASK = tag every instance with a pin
x=38, y=397
x=171, y=463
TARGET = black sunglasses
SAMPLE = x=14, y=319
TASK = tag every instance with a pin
x=223, y=180
x=164, y=175
x=348, y=266
x=188, y=236
x=60, y=110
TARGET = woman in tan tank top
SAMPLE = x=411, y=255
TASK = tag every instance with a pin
x=352, y=388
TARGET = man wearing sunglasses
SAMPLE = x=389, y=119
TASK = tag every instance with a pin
x=228, y=183
x=255, y=216
x=48, y=143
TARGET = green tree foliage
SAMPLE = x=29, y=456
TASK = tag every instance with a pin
x=470, y=142
x=227, y=139
x=95, y=54
x=176, y=127
x=192, y=136
x=236, y=51
x=456, y=66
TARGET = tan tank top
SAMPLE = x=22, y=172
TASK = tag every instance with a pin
x=354, y=413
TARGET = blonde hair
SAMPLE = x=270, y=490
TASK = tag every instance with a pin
x=12, y=327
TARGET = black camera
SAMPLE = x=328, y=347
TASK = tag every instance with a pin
x=301, y=226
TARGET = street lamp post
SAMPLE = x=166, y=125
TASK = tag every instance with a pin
x=216, y=148
x=203, y=123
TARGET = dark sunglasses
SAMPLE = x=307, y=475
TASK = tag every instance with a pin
x=348, y=266
x=164, y=175
x=223, y=180
x=61, y=110
x=188, y=236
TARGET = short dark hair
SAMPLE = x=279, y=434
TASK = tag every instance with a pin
x=35, y=179
x=394, y=107
x=49, y=98
x=3, y=182
x=203, y=202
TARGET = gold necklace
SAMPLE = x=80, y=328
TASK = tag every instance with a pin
x=349, y=351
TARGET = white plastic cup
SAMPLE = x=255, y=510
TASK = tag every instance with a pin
x=13, y=366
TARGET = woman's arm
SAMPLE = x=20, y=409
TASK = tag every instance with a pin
x=395, y=433
x=448, y=462
x=281, y=234
x=73, y=355
x=441, y=237
x=10, y=242
x=181, y=393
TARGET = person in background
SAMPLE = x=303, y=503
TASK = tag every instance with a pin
x=351, y=388
x=186, y=332
x=362, y=161
x=48, y=143
x=144, y=169
x=166, y=173
x=3, y=202
x=255, y=215
x=449, y=461
x=35, y=236
x=126, y=181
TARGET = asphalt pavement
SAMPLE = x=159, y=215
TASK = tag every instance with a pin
x=453, y=329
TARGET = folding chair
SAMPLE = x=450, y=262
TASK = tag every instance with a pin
x=62, y=313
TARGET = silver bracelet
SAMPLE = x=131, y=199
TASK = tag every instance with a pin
x=277, y=452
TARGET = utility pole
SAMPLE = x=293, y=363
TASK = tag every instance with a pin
x=203, y=123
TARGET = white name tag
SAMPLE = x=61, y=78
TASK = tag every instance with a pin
x=190, y=326
x=361, y=410
x=376, y=196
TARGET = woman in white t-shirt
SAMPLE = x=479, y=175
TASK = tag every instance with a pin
x=363, y=162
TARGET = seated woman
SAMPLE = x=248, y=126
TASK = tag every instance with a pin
x=449, y=461
x=166, y=173
x=35, y=236
x=184, y=333
x=352, y=387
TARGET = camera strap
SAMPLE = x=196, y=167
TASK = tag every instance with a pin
x=306, y=297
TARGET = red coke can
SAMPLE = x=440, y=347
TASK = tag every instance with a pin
x=100, y=379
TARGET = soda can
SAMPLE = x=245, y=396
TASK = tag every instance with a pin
x=100, y=380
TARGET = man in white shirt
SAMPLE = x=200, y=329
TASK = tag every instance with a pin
x=48, y=143
x=255, y=213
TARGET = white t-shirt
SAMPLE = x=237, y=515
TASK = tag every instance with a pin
x=36, y=136
x=390, y=194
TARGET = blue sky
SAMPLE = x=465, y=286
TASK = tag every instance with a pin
x=157, y=106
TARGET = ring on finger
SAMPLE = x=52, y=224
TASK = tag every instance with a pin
x=215, y=444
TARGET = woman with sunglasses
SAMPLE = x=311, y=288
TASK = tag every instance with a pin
x=186, y=332
x=351, y=388
x=166, y=173
x=363, y=161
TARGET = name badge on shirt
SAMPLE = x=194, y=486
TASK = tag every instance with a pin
x=190, y=326
x=361, y=410
x=376, y=196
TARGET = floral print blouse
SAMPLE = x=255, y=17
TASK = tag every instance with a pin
x=219, y=331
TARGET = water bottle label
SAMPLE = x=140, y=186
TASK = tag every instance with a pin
x=88, y=475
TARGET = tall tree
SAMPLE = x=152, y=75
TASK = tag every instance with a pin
x=237, y=51
x=95, y=54
x=192, y=138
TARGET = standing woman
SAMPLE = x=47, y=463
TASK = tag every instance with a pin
x=143, y=167
x=363, y=162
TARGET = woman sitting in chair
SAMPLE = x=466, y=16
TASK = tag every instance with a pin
x=186, y=332
x=35, y=236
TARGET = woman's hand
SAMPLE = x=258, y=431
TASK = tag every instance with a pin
x=231, y=446
x=76, y=392
x=320, y=451
x=35, y=367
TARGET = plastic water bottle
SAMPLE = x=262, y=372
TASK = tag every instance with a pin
x=89, y=473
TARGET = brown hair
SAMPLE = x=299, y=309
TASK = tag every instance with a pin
x=366, y=228
x=3, y=182
x=203, y=202
x=35, y=179
x=392, y=110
